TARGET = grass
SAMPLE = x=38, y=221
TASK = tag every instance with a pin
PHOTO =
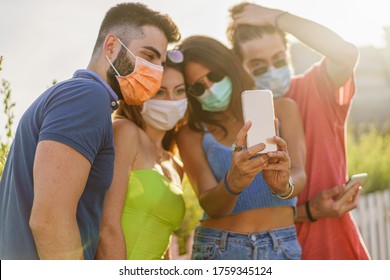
x=369, y=152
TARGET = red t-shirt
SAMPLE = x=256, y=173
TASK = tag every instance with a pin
x=324, y=111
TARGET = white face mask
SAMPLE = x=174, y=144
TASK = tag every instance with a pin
x=164, y=114
x=277, y=80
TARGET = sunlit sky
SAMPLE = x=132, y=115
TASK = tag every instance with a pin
x=43, y=40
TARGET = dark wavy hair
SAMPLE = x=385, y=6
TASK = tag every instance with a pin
x=125, y=18
x=220, y=59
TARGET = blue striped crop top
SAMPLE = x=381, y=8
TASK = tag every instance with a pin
x=256, y=195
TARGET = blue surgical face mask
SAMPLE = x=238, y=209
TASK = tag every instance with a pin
x=277, y=80
x=217, y=97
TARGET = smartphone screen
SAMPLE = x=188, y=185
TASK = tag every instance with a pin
x=258, y=107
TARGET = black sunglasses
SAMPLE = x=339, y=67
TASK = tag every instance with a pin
x=264, y=68
x=198, y=88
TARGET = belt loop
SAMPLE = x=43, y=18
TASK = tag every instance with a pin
x=274, y=240
x=223, y=240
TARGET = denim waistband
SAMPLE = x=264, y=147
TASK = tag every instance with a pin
x=274, y=236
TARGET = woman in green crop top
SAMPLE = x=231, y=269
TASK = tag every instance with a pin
x=144, y=204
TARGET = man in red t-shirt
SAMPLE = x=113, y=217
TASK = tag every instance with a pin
x=325, y=227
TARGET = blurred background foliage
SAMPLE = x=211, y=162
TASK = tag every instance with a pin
x=193, y=213
x=369, y=152
x=7, y=119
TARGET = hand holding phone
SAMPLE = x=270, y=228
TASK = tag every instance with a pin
x=356, y=178
x=258, y=107
x=361, y=177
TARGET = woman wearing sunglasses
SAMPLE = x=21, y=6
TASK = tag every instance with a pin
x=145, y=202
x=249, y=201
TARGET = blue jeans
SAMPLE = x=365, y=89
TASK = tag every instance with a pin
x=276, y=244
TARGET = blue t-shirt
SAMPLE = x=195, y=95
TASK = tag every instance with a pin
x=76, y=112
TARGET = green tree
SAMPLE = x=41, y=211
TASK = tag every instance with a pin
x=8, y=106
x=193, y=213
x=369, y=152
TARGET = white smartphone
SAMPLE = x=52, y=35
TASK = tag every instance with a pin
x=258, y=107
x=356, y=178
x=361, y=177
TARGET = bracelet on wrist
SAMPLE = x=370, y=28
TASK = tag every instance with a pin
x=288, y=193
x=308, y=212
x=228, y=188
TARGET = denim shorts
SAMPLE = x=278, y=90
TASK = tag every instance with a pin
x=276, y=244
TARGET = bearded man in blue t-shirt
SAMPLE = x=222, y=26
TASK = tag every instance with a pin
x=61, y=161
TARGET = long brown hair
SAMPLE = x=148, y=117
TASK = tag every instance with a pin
x=217, y=58
x=133, y=113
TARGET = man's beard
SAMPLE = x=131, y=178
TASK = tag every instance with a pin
x=124, y=65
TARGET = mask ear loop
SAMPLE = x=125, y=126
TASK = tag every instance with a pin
x=112, y=65
x=152, y=65
x=126, y=48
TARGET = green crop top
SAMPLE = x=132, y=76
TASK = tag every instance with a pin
x=154, y=208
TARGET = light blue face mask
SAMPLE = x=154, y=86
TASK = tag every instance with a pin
x=217, y=97
x=277, y=80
